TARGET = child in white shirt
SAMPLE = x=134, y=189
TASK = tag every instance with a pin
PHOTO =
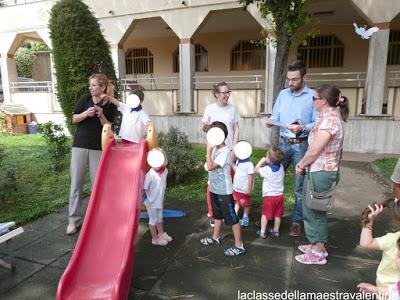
x=154, y=187
x=243, y=182
x=135, y=120
x=271, y=170
x=221, y=189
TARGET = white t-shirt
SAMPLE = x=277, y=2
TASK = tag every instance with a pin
x=241, y=178
x=225, y=114
x=133, y=125
x=220, y=178
x=272, y=181
x=155, y=186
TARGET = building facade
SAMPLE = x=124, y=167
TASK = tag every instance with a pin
x=177, y=50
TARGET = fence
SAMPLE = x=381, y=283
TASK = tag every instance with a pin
x=31, y=86
x=150, y=83
x=235, y=82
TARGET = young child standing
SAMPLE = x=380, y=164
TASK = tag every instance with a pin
x=154, y=187
x=219, y=166
x=135, y=120
x=271, y=170
x=243, y=182
x=392, y=292
x=388, y=272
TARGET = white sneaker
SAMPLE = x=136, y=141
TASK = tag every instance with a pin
x=159, y=241
x=165, y=236
x=71, y=228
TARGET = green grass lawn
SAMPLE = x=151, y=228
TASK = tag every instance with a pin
x=40, y=190
x=386, y=166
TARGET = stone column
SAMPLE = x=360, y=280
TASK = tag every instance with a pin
x=8, y=75
x=118, y=57
x=270, y=54
x=376, y=72
x=186, y=73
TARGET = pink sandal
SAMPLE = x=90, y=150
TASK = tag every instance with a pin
x=307, y=248
x=311, y=258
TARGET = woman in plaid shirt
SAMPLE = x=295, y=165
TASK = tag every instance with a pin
x=322, y=159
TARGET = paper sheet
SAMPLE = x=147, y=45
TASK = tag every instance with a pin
x=274, y=122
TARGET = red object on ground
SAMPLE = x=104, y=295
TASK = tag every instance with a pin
x=102, y=262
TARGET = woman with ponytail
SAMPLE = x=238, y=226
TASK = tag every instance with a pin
x=322, y=161
x=90, y=114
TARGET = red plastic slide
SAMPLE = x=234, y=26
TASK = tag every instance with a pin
x=102, y=262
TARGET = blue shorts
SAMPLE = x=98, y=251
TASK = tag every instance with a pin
x=223, y=208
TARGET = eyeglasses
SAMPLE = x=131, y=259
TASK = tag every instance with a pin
x=295, y=79
x=225, y=93
x=316, y=98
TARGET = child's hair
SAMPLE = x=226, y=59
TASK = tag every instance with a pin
x=398, y=244
x=138, y=93
x=217, y=86
x=275, y=155
x=335, y=99
x=220, y=125
x=395, y=223
x=103, y=81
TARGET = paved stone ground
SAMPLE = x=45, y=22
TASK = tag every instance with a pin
x=185, y=269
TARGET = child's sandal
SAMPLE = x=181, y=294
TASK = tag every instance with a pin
x=273, y=233
x=207, y=241
x=234, y=251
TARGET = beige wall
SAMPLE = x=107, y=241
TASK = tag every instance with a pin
x=35, y=102
x=247, y=102
x=162, y=50
x=160, y=102
x=218, y=45
x=355, y=48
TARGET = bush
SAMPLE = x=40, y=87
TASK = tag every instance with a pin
x=35, y=47
x=24, y=59
x=8, y=179
x=5, y=127
x=79, y=50
x=181, y=160
x=57, y=144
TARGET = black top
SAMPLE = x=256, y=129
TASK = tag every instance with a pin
x=88, y=134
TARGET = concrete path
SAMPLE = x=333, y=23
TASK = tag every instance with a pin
x=187, y=270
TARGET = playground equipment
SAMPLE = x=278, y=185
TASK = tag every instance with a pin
x=102, y=261
x=6, y=235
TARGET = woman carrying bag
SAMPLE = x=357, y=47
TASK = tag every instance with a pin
x=321, y=161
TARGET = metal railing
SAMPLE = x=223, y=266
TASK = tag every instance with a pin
x=16, y=2
x=235, y=82
x=344, y=79
x=394, y=78
x=150, y=83
x=31, y=86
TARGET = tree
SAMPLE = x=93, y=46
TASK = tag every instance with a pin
x=288, y=16
x=79, y=50
x=24, y=59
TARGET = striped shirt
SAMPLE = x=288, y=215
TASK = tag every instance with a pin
x=328, y=160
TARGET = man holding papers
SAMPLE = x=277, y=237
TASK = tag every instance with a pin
x=293, y=112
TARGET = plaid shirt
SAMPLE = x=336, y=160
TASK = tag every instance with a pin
x=328, y=160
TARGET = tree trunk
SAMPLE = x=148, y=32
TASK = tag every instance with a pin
x=282, y=54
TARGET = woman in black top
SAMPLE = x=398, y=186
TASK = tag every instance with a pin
x=90, y=114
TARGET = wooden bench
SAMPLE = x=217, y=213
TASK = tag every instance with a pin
x=6, y=235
